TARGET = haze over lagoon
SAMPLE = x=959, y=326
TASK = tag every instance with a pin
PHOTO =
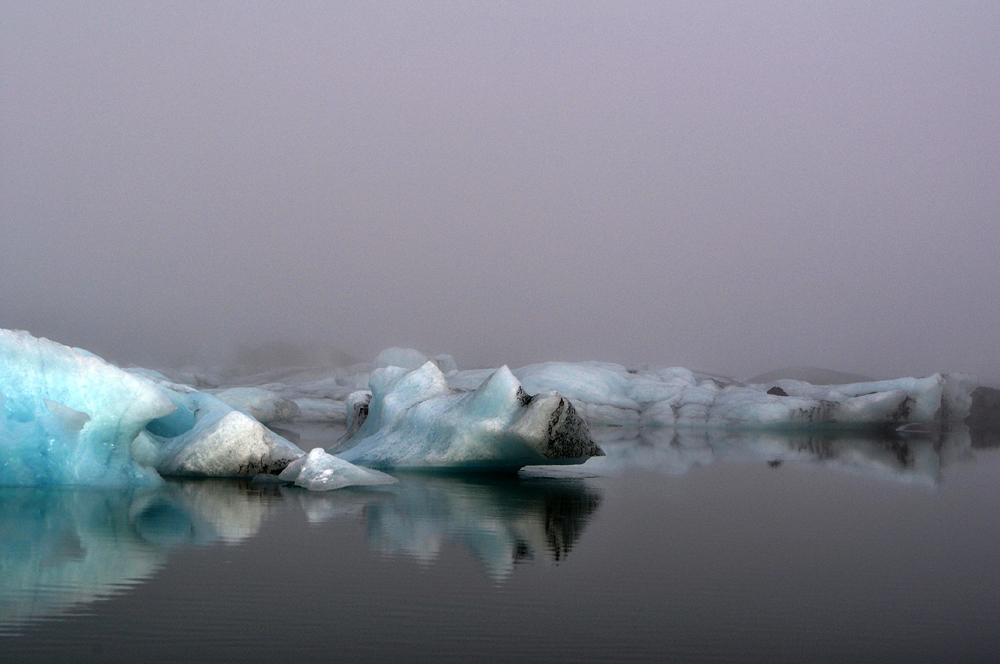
x=728, y=186
x=723, y=185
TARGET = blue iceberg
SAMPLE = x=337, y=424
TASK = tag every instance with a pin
x=68, y=417
x=416, y=421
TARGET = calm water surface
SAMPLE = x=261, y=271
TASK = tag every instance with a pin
x=704, y=548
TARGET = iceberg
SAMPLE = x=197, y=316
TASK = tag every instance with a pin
x=206, y=437
x=606, y=394
x=416, y=421
x=263, y=405
x=68, y=417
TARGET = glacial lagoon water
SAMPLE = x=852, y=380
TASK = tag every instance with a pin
x=689, y=548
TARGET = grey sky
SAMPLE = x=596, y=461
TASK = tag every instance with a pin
x=728, y=185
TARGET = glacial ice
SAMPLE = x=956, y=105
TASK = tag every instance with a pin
x=608, y=395
x=415, y=420
x=69, y=417
x=319, y=471
x=206, y=437
x=321, y=410
x=263, y=405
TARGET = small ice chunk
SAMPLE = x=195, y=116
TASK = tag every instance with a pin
x=319, y=471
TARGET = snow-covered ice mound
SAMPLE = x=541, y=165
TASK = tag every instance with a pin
x=415, y=420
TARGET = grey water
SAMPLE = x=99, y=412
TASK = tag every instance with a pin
x=690, y=547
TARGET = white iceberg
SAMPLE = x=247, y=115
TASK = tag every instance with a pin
x=609, y=395
x=206, y=437
x=263, y=405
x=319, y=471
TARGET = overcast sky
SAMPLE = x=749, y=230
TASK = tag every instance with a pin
x=736, y=186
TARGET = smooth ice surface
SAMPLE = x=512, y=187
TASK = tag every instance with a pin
x=415, y=420
x=69, y=417
x=319, y=471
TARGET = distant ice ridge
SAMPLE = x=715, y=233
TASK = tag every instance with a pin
x=415, y=420
x=608, y=395
x=263, y=405
x=611, y=398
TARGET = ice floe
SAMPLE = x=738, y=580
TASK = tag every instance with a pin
x=415, y=420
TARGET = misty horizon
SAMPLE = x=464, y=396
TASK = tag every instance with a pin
x=731, y=187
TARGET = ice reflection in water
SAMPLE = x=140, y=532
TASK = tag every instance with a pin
x=60, y=548
x=915, y=456
x=501, y=520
